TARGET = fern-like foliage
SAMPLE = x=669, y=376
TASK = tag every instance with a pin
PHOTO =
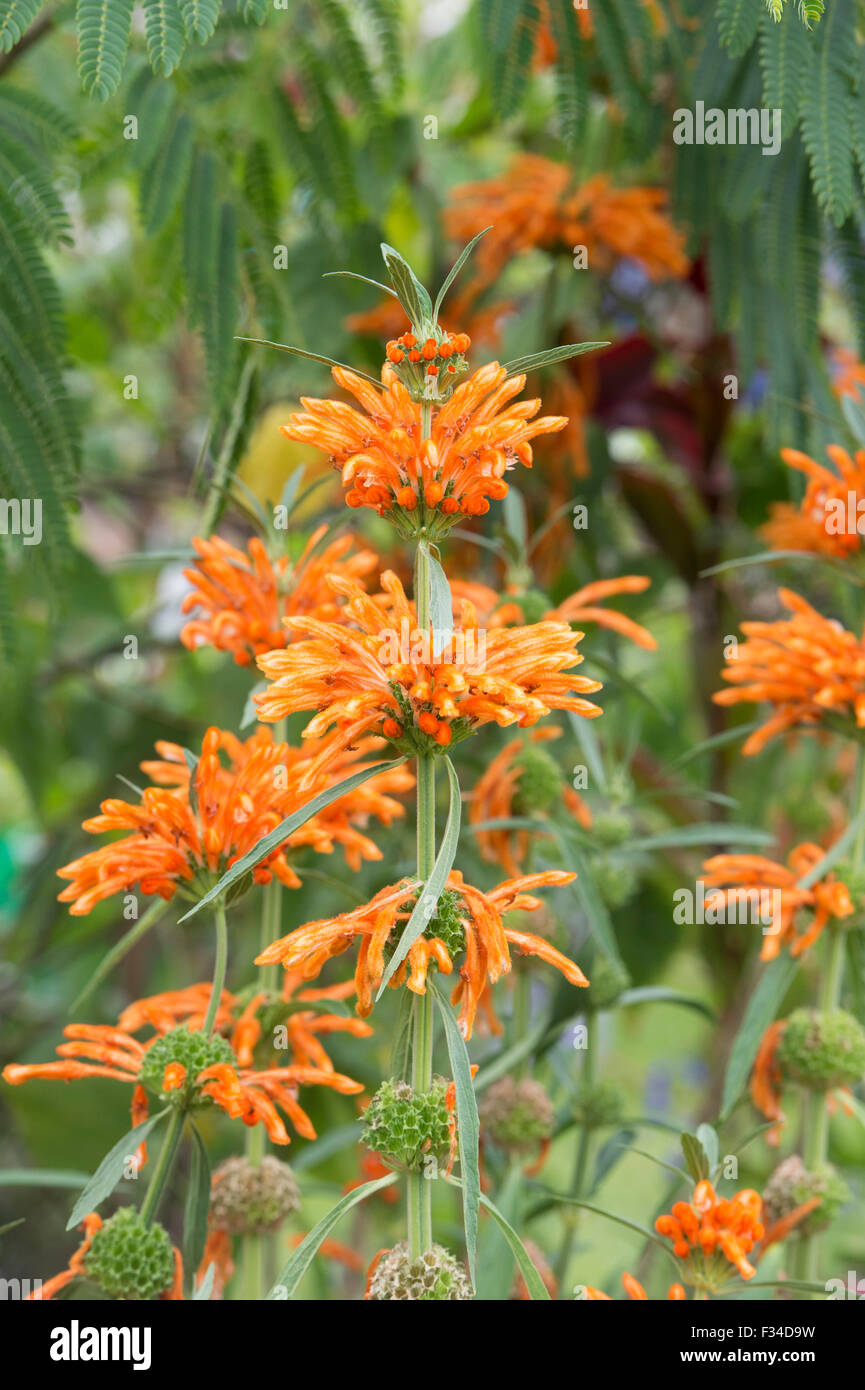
x=810, y=11
x=39, y=436
x=104, y=27
x=16, y=16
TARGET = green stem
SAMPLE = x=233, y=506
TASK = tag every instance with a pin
x=164, y=1164
x=253, y=1265
x=219, y=968
x=419, y=1188
x=570, y=1216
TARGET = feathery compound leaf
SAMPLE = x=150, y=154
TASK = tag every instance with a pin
x=37, y=121
x=384, y=16
x=103, y=39
x=509, y=31
x=16, y=16
x=571, y=80
x=164, y=181
x=738, y=21
x=827, y=104
x=199, y=18
x=254, y=11
x=164, y=35
x=200, y=234
x=351, y=63
x=221, y=316
x=786, y=55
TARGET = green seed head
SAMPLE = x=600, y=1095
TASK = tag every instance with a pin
x=611, y=828
x=616, y=881
x=822, y=1050
x=194, y=1050
x=435, y=1276
x=791, y=1184
x=250, y=1199
x=517, y=1115
x=444, y=924
x=129, y=1259
x=598, y=1104
x=539, y=783
x=405, y=1127
x=608, y=981
x=533, y=605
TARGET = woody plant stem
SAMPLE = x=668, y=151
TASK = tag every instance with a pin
x=419, y=1187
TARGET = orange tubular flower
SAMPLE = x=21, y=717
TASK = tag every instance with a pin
x=476, y=436
x=733, y=875
x=582, y=607
x=849, y=374
x=385, y=679
x=534, y=204
x=822, y=521
x=493, y=798
x=805, y=666
x=766, y=1080
x=229, y=1082
x=181, y=842
x=710, y=1230
x=635, y=1291
x=244, y=598
x=473, y=926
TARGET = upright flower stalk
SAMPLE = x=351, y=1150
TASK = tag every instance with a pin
x=423, y=1021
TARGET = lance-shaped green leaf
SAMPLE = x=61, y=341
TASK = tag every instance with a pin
x=455, y=270
x=468, y=1125
x=409, y=291
x=428, y=897
x=275, y=837
x=43, y=1177
x=762, y=1008
x=311, y=356
x=534, y=1283
x=661, y=994
x=353, y=275
x=300, y=1261
x=111, y=1169
x=535, y=360
x=205, y=1288
x=696, y=1158
x=441, y=605
x=121, y=949
x=197, y=1204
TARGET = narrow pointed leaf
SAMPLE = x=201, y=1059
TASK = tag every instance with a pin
x=468, y=1125
x=110, y=1170
x=535, y=360
x=310, y=356
x=294, y=1270
x=269, y=842
x=455, y=270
